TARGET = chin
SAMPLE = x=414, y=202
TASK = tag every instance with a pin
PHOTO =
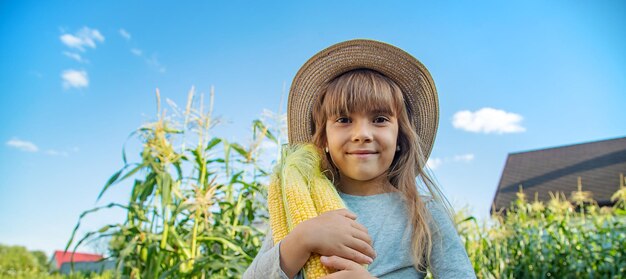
x=363, y=177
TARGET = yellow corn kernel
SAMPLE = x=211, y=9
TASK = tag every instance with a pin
x=298, y=203
x=325, y=195
x=278, y=218
x=314, y=269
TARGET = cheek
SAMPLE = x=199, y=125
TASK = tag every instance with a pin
x=331, y=137
x=326, y=135
x=396, y=135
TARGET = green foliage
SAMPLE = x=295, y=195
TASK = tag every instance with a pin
x=558, y=240
x=42, y=259
x=45, y=275
x=17, y=261
x=192, y=207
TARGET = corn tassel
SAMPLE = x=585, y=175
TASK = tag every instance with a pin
x=298, y=191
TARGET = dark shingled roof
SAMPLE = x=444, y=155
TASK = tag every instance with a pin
x=557, y=169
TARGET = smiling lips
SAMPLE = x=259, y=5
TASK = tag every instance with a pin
x=362, y=153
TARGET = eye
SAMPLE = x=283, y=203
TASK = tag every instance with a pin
x=380, y=119
x=342, y=119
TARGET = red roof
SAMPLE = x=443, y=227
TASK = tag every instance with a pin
x=65, y=257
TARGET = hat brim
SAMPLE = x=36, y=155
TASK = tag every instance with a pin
x=409, y=74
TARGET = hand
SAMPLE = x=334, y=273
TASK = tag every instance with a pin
x=345, y=268
x=337, y=233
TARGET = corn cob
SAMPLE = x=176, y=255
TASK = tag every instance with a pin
x=325, y=195
x=299, y=191
x=278, y=217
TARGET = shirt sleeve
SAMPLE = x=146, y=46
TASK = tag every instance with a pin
x=266, y=264
x=448, y=257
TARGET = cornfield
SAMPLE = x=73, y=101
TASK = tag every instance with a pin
x=197, y=202
x=561, y=239
x=193, y=207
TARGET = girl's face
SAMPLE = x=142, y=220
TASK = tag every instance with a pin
x=362, y=145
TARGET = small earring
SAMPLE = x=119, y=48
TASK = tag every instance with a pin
x=397, y=148
x=326, y=149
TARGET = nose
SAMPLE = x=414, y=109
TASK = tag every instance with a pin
x=361, y=132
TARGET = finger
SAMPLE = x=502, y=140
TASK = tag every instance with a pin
x=362, y=236
x=359, y=226
x=354, y=255
x=338, y=263
x=362, y=246
x=347, y=213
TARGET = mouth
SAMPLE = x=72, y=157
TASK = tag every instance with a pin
x=362, y=153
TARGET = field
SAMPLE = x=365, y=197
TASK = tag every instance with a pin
x=198, y=207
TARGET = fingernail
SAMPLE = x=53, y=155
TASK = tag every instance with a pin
x=323, y=258
x=369, y=260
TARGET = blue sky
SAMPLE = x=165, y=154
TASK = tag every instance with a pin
x=77, y=77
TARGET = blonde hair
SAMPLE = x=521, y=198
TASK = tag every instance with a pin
x=368, y=90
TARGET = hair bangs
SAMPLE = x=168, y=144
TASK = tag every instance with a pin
x=359, y=91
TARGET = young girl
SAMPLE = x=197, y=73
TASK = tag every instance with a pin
x=372, y=108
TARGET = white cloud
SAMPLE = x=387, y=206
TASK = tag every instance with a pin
x=53, y=152
x=71, y=41
x=74, y=78
x=85, y=37
x=22, y=145
x=434, y=163
x=154, y=63
x=136, y=51
x=28, y=146
x=75, y=56
x=125, y=34
x=463, y=158
x=488, y=120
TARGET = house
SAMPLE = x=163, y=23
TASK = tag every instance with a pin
x=83, y=262
x=598, y=165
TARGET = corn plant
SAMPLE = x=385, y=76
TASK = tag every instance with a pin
x=561, y=239
x=194, y=202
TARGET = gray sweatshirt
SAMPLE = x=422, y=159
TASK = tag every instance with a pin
x=384, y=216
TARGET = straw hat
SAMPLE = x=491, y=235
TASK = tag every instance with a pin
x=407, y=72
